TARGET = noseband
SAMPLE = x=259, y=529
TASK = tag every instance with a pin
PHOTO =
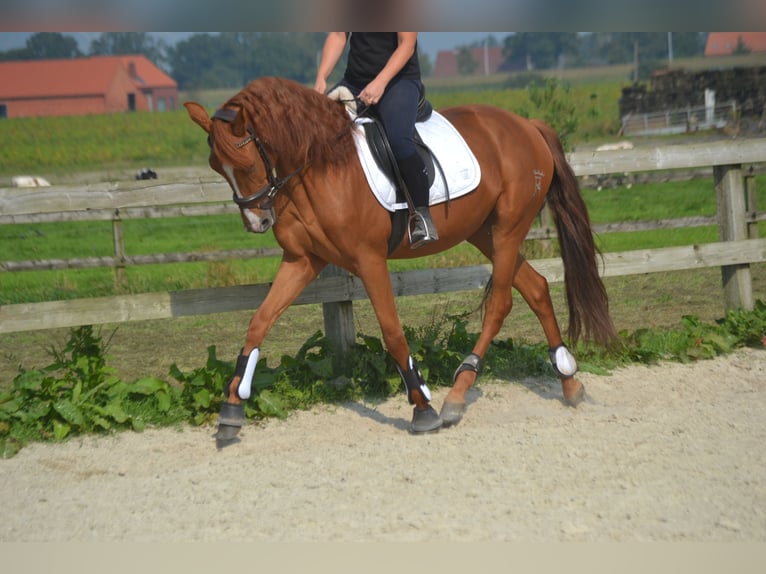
x=264, y=197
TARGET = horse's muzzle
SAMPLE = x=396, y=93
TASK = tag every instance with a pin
x=256, y=223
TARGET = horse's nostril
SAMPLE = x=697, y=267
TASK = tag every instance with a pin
x=266, y=223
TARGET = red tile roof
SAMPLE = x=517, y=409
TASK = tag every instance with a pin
x=76, y=76
x=724, y=43
x=150, y=74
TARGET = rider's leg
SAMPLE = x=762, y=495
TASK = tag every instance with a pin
x=398, y=109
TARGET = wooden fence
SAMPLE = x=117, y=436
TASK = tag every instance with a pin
x=737, y=219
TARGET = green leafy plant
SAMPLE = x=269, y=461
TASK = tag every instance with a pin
x=79, y=393
x=748, y=327
x=554, y=104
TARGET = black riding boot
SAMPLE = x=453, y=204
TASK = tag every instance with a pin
x=421, y=228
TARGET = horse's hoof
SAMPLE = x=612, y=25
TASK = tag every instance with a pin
x=226, y=436
x=452, y=413
x=577, y=398
x=425, y=420
x=231, y=418
x=232, y=415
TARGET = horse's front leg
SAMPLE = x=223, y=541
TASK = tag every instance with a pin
x=292, y=277
x=377, y=282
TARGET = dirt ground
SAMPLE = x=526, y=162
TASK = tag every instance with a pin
x=673, y=452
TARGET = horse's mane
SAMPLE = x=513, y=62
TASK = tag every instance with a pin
x=296, y=124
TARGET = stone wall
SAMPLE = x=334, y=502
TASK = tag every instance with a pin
x=677, y=90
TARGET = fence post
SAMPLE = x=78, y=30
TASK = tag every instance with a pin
x=339, y=322
x=546, y=223
x=751, y=204
x=120, y=278
x=730, y=198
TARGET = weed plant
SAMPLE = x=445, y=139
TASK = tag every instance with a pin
x=78, y=393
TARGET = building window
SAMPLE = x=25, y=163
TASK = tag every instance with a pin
x=3, y=111
x=161, y=107
x=132, y=102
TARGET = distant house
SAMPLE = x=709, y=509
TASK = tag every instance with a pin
x=724, y=43
x=79, y=86
x=488, y=61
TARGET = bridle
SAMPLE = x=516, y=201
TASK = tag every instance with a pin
x=264, y=197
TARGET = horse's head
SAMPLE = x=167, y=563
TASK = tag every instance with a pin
x=239, y=156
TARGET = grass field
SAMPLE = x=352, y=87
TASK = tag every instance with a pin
x=61, y=147
x=57, y=146
x=148, y=236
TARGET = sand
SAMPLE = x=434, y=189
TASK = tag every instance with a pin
x=673, y=452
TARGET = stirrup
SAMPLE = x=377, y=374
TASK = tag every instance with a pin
x=425, y=230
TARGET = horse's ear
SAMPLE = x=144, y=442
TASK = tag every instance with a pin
x=238, y=126
x=199, y=115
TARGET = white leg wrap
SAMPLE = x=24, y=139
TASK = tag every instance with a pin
x=563, y=361
x=245, y=385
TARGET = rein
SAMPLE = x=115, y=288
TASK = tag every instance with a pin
x=264, y=197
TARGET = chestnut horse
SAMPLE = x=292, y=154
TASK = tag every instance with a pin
x=290, y=158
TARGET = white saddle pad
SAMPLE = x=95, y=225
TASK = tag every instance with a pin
x=461, y=170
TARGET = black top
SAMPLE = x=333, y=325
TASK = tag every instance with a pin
x=368, y=54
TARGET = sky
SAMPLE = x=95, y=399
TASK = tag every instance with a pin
x=430, y=42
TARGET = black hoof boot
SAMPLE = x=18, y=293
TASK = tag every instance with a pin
x=425, y=420
x=231, y=418
x=422, y=228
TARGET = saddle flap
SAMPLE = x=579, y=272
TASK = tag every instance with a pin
x=377, y=140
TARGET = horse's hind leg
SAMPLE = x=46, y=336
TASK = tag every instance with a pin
x=534, y=288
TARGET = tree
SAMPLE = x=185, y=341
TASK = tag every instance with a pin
x=426, y=67
x=618, y=47
x=540, y=50
x=14, y=54
x=741, y=47
x=232, y=59
x=44, y=46
x=288, y=54
x=466, y=64
x=51, y=45
x=206, y=61
x=124, y=43
x=689, y=44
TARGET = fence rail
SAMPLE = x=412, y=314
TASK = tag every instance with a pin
x=689, y=119
x=737, y=220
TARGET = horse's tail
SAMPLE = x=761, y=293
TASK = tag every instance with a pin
x=585, y=292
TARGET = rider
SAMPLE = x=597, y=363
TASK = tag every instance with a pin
x=383, y=71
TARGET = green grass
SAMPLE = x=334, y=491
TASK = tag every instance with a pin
x=186, y=234
x=58, y=145
x=55, y=146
